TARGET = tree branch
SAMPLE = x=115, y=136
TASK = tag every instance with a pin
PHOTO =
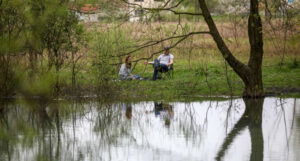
x=170, y=9
x=182, y=38
x=236, y=65
x=152, y=43
x=185, y=13
x=165, y=5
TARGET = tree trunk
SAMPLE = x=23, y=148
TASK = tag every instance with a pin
x=255, y=86
x=251, y=74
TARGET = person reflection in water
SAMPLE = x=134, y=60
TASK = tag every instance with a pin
x=128, y=112
x=163, y=111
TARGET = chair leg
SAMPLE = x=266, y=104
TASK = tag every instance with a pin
x=168, y=74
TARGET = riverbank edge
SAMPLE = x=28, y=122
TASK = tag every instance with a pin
x=120, y=96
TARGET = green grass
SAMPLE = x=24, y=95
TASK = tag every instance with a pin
x=198, y=82
x=201, y=77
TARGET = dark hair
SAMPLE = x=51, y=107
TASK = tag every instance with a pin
x=167, y=48
x=127, y=62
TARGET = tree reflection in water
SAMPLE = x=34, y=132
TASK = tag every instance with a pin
x=252, y=118
x=206, y=130
x=33, y=126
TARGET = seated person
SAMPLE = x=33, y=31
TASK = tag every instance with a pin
x=125, y=70
x=162, y=63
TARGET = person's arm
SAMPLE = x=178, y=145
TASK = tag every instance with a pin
x=159, y=57
x=122, y=68
x=171, y=60
x=152, y=62
x=128, y=71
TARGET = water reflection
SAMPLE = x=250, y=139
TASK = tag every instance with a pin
x=252, y=118
x=234, y=130
x=164, y=111
x=128, y=112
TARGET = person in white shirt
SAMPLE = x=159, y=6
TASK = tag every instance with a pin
x=163, y=62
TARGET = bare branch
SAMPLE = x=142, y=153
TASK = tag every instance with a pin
x=183, y=37
x=185, y=13
x=152, y=43
x=165, y=5
x=170, y=9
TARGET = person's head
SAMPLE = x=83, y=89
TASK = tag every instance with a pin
x=167, y=50
x=128, y=61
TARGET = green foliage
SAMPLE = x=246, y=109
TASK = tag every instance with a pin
x=40, y=84
x=60, y=30
x=12, y=26
x=35, y=28
x=106, y=46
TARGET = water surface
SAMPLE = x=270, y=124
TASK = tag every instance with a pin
x=231, y=130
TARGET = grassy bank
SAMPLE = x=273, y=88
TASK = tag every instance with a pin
x=214, y=79
x=199, y=69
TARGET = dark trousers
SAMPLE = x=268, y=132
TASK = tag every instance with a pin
x=159, y=68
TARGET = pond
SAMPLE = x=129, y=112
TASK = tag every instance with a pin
x=230, y=130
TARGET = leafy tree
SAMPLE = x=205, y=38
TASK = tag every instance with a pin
x=12, y=24
x=35, y=28
x=60, y=33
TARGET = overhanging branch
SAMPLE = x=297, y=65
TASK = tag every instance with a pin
x=152, y=43
x=164, y=8
x=239, y=67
